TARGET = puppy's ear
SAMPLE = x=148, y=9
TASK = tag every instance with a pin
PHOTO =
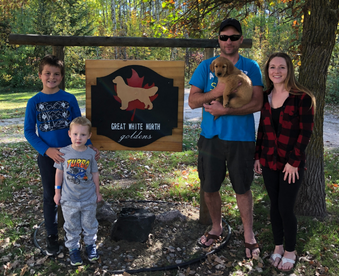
x=230, y=68
x=212, y=66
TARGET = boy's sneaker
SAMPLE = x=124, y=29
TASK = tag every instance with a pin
x=74, y=254
x=53, y=247
x=92, y=253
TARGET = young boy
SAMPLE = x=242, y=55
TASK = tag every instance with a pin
x=77, y=191
x=47, y=118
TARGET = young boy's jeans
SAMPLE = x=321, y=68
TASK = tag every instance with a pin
x=47, y=171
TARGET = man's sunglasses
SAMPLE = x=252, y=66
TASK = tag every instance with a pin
x=232, y=37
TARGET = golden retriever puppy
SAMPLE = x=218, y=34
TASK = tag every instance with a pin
x=235, y=95
x=128, y=93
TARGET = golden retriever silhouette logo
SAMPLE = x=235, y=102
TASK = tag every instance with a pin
x=134, y=106
x=129, y=93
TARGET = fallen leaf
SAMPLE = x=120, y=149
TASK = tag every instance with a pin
x=41, y=261
x=24, y=270
x=218, y=260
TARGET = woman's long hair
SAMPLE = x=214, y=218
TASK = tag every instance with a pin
x=291, y=84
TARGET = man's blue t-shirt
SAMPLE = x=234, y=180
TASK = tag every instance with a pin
x=227, y=127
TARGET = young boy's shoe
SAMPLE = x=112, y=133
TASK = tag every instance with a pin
x=75, y=256
x=53, y=247
x=92, y=253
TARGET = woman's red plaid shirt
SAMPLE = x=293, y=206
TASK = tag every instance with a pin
x=288, y=145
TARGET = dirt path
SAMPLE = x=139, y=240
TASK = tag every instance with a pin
x=331, y=130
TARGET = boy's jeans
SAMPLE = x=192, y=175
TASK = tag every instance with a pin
x=47, y=171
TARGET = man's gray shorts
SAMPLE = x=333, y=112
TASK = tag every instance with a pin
x=215, y=154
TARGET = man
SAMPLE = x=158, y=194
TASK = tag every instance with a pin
x=229, y=139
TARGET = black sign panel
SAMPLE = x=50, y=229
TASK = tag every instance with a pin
x=134, y=106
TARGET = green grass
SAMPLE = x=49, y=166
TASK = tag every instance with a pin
x=167, y=176
x=13, y=103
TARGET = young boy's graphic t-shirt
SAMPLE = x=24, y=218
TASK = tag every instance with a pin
x=77, y=170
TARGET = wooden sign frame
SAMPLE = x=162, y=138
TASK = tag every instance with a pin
x=170, y=69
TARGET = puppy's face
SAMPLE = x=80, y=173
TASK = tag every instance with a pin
x=221, y=67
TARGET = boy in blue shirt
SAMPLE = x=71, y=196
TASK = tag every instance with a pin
x=47, y=119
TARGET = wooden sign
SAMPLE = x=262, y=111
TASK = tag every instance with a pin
x=135, y=105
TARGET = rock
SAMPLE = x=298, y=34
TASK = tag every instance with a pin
x=5, y=259
x=130, y=258
x=171, y=248
x=218, y=260
x=260, y=270
x=171, y=215
x=30, y=262
x=15, y=264
x=133, y=225
x=220, y=266
x=41, y=261
x=105, y=212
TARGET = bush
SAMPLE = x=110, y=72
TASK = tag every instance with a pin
x=75, y=81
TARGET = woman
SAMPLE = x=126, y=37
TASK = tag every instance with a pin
x=285, y=128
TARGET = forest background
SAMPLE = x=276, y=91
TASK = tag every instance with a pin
x=305, y=29
x=270, y=25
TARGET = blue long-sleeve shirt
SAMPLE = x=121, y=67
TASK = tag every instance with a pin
x=47, y=120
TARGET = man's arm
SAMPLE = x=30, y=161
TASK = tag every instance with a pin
x=197, y=97
x=217, y=109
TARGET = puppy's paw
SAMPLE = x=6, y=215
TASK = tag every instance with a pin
x=227, y=104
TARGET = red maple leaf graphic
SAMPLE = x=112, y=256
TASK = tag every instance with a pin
x=135, y=81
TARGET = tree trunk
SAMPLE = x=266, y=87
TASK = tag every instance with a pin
x=113, y=17
x=319, y=32
x=114, y=22
x=59, y=52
